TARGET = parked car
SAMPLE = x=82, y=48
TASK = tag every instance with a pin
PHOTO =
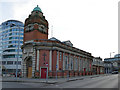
x=115, y=72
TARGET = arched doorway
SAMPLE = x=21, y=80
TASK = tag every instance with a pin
x=29, y=67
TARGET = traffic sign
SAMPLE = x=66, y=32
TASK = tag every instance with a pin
x=46, y=64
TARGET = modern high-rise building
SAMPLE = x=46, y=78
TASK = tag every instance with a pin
x=11, y=39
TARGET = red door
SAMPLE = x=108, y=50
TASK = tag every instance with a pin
x=43, y=72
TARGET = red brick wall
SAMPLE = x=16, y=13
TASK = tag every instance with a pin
x=90, y=66
x=54, y=60
x=42, y=63
x=34, y=35
x=78, y=63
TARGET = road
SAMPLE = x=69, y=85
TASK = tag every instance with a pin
x=110, y=81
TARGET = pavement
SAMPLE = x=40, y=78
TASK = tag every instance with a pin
x=48, y=81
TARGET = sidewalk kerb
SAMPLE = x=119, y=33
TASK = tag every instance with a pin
x=50, y=81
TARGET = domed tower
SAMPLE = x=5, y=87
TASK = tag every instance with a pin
x=36, y=26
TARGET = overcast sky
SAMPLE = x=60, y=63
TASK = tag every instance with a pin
x=91, y=25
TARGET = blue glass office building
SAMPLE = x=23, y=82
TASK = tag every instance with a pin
x=11, y=40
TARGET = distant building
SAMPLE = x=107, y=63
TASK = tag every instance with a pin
x=9, y=38
x=108, y=67
x=115, y=62
x=98, y=65
x=43, y=57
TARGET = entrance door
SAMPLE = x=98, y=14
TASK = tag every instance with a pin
x=29, y=67
x=43, y=72
x=29, y=72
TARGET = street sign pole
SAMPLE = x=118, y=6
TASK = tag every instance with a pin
x=47, y=73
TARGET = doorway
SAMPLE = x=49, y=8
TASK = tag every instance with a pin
x=43, y=73
x=29, y=68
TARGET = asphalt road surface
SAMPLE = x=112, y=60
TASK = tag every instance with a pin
x=110, y=81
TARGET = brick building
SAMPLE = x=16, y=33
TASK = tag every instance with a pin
x=43, y=57
x=98, y=65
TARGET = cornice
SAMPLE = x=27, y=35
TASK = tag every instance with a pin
x=57, y=46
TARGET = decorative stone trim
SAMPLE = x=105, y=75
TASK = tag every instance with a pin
x=33, y=62
x=55, y=44
x=50, y=60
x=37, y=67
